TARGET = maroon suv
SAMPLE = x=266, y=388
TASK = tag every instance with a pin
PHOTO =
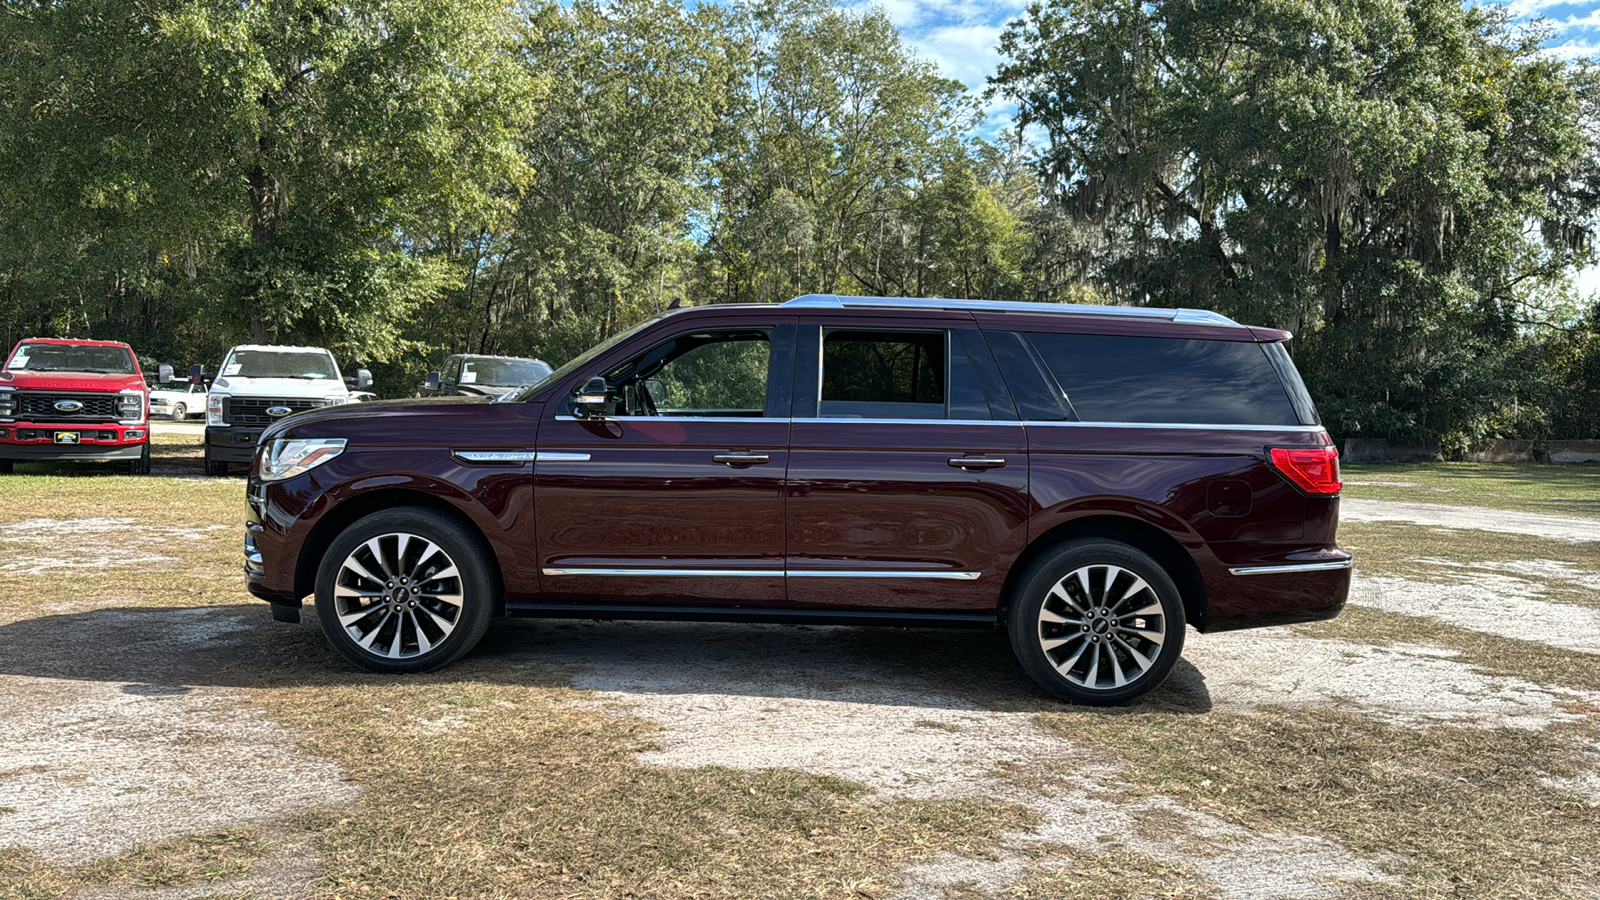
x=1092, y=478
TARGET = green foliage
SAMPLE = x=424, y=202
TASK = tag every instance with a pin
x=1401, y=182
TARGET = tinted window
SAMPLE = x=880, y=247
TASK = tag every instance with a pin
x=1037, y=398
x=1141, y=379
x=883, y=374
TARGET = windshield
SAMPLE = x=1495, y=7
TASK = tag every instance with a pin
x=574, y=364
x=503, y=372
x=70, y=358
x=279, y=364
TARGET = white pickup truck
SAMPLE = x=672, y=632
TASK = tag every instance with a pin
x=259, y=384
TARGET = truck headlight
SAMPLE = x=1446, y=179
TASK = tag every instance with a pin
x=288, y=457
x=131, y=406
x=8, y=403
x=214, y=409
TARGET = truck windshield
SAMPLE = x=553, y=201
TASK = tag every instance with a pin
x=70, y=358
x=279, y=364
x=503, y=372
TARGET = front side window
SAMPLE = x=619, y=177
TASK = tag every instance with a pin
x=708, y=373
x=884, y=374
x=1115, y=378
x=69, y=358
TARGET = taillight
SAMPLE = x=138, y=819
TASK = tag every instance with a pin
x=1314, y=470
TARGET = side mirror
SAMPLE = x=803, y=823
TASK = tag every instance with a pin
x=432, y=381
x=592, y=399
x=197, y=374
x=164, y=374
x=363, y=379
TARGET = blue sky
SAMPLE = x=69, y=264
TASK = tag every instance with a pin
x=961, y=36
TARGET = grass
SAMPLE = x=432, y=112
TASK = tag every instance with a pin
x=1452, y=811
x=1452, y=556
x=495, y=778
x=1572, y=490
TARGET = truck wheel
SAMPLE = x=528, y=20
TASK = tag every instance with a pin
x=140, y=466
x=179, y=412
x=405, y=590
x=1096, y=622
x=215, y=466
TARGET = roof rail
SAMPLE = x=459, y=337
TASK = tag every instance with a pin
x=837, y=301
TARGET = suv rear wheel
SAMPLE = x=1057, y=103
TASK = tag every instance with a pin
x=1096, y=622
x=405, y=590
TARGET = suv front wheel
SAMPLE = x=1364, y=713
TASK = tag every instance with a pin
x=405, y=590
x=1096, y=622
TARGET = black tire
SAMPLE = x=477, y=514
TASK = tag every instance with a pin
x=410, y=622
x=140, y=466
x=6, y=466
x=179, y=412
x=215, y=466
x=1078, y=651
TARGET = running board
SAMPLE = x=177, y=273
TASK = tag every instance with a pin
x=892, y=618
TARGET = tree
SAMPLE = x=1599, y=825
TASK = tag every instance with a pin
x=299, y=168
x=1398, y=181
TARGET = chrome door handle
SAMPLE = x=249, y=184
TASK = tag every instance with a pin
x=740, y=460
x=977, y=462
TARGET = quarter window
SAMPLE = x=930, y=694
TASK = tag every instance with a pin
x=1114, y=378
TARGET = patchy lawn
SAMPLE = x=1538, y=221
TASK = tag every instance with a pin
x=164, y=738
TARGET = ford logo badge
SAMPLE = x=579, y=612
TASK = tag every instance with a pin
x=278, y=411
x=68, y=405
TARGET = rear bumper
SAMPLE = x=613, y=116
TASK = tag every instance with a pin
x=96, y=440
x=1281, y=589
x=227, y=443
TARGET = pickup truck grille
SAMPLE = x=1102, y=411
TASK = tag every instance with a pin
x=252, y=411
x=40, y=406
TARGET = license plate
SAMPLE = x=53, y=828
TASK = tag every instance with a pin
x=66, y=437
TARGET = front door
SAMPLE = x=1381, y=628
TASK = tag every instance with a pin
x=674, y=496
x=908, y=470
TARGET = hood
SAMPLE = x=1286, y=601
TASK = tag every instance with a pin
x=298, y=388
x=28, y=379
x=418, y=421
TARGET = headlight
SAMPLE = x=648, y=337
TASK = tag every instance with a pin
x=335, y=400
x=288, y=457
x=130, y=406
x=214, y=409
x=8, y=403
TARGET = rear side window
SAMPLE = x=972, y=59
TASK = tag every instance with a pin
x=878, y=374
x=1112, y=378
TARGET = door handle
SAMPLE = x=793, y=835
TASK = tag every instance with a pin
x=741, y=460
x=977, y=462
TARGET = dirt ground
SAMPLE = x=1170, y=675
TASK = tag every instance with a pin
x=150, y=703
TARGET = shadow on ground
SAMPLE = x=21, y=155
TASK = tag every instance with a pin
x=163, y=651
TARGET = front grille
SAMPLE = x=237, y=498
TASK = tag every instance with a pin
x=40, y=406
x=252, y=411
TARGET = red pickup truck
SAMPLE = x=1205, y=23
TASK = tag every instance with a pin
x=72, y=399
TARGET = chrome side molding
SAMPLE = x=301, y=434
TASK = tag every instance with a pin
x=1293, y=567
x=759, y=573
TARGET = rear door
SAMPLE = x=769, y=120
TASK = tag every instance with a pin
x=908, y=470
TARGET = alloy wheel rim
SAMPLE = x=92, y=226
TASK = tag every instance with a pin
x=1102, y=627
x=398, y=595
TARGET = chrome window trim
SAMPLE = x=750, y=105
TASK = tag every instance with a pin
x=1293, y=567
x=758, y=573
x=561, y=418
x=1185, y=426
x=819, y=420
